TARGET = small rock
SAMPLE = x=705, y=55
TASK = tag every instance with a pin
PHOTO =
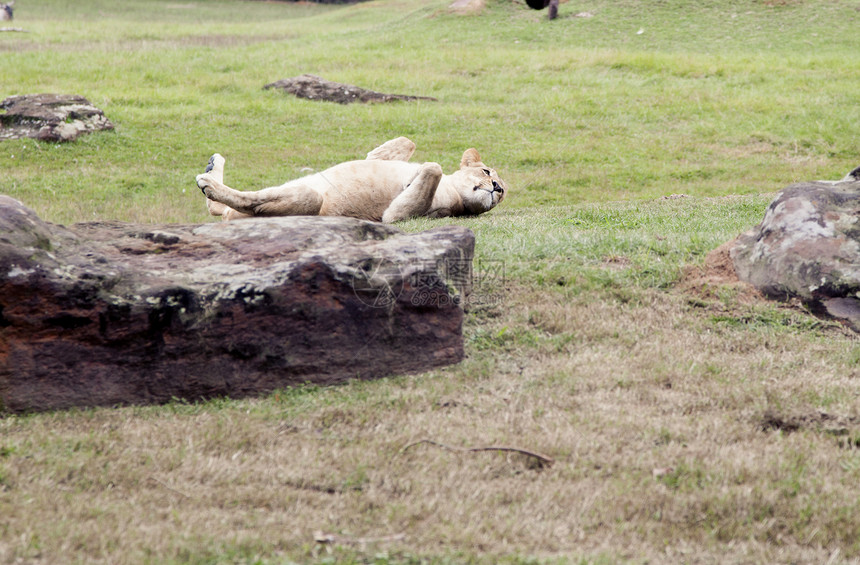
x=49, y=117
x=313, y=87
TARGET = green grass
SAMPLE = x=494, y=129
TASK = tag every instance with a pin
x=570, y=246
x=590, y=339
x=580, y=110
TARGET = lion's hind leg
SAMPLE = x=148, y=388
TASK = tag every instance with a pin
x=286, y=200
x=216, y=169
x=399, y=149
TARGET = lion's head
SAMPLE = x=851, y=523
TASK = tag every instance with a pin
x=477, y=184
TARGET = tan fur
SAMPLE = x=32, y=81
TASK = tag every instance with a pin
x=383, y=187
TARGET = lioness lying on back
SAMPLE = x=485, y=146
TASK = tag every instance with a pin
x=384, y=187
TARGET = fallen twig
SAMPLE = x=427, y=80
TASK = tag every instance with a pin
x=324, y=538
x=168, y=487
x=19, y=29
x=544, y=460
x=301, y=485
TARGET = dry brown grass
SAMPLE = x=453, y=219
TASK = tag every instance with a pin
x=696, y=425
x=677, y=435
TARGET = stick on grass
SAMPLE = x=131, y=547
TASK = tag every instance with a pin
x=323, y=538
x=170, y=488
x=543, y=459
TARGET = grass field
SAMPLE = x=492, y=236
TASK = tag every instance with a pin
x=689, y=421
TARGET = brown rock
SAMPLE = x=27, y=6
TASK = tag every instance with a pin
x=111, y=313
x=316, y=88
x=49, y=117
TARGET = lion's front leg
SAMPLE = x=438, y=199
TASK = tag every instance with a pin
x=417, y=197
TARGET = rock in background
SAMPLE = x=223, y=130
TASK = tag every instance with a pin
x=49, y=117
x=313, y=87
x=112, y=313
x=808, y=247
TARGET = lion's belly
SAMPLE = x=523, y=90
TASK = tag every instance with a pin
x=362, y=189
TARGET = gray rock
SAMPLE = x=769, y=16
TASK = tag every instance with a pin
x=113, y=313
x=49, y=117
x=313, y=87
x=808, y=247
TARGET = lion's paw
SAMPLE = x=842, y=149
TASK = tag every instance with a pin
x=204, y=181
x=216, y=163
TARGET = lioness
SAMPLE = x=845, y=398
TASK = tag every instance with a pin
x=384, y=187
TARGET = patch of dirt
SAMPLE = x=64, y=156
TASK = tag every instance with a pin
x=467, y=6
x=313, y=87
x=616, y=262
x=718, y=271
x=790, y=152
x=817, y=421
x=216, y=41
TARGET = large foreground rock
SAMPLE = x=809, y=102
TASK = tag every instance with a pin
x=110, y=313
x=49, y=117
x=808, y=247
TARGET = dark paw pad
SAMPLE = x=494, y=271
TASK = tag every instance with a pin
x=211, y=164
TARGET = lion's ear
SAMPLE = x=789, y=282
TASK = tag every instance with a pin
x=470, y=159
